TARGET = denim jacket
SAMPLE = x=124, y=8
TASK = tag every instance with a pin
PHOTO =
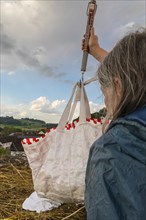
x=116, y=171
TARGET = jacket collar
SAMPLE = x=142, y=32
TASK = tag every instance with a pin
x=138, y=115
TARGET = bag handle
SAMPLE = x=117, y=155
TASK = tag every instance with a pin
x=80, y=95
x=65, y=115
x=77, y=99
x=84, y=104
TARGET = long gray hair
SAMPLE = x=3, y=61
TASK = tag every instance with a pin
x=127, y=61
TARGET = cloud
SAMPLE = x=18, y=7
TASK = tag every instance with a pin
x=43, y=105
x=49, y=33
x=12, y=110
x=38, y=38
x=7, y=44
x=23, y=43
x=41, y=108
x=25, y=58
x=57, y=103
x=126, y=28
x=37, y=104
x=94, y=107
x=11, y=73
x=131, y=26
x=31, y=61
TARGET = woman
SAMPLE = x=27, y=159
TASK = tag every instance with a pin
x=116, y=169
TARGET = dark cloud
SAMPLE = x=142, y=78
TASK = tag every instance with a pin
x=26, y=57
x=7, y=44
x=32, y=62
x=58, y=26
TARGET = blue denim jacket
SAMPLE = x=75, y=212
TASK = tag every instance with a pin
x=116, y=171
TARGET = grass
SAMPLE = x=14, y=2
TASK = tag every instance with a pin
x=4, y=152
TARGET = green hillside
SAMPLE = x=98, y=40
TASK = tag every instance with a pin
x=21, y=123
x=35, y=124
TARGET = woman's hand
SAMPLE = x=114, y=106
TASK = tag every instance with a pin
x=94, y=49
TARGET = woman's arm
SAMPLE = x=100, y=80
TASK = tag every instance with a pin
x=94, y=49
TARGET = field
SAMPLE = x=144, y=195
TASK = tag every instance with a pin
x=16, y=185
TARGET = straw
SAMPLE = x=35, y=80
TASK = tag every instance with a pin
x=16, y=185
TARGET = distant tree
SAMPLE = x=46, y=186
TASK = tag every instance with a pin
x=1, y=129
x=25, y=124
x=95, y=115
x=9, y=121
x=51, y=125
x=17, y=129
x=103, y=112
x=7, y=130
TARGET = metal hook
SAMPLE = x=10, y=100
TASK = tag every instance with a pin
x=82, y=77
x=81, y=80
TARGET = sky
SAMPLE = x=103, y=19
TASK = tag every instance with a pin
x=40, y=57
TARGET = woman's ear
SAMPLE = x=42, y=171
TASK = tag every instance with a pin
x=118, y=87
